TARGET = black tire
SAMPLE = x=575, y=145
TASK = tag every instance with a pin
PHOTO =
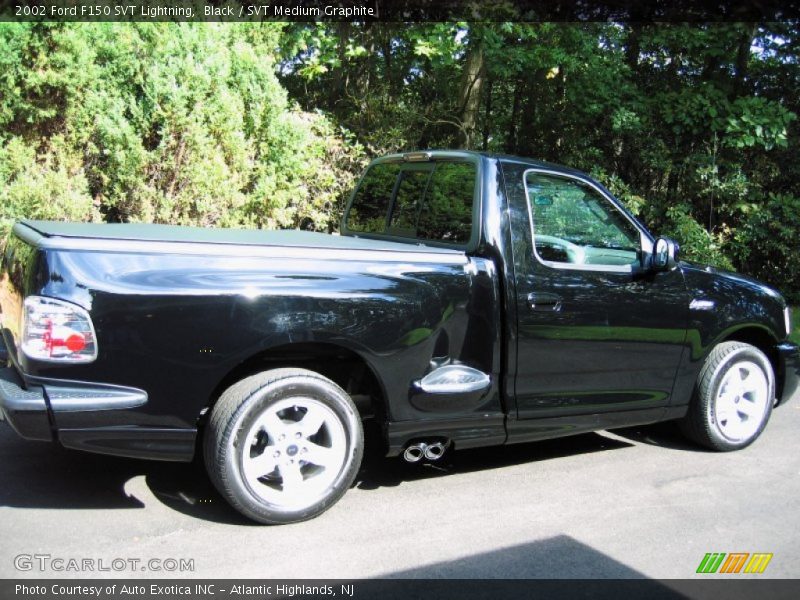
x=240, y=411
x=702, y=423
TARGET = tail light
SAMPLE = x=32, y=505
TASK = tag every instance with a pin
x=57, y=331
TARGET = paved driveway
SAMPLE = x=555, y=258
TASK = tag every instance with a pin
x=631, y=503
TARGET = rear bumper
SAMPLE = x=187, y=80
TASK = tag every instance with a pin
x=24, y=409
x=789, y=371
x=34, y=407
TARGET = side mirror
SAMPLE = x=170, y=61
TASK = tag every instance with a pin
x=665, y=254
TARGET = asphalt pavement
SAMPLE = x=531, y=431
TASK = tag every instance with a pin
x=632, y=503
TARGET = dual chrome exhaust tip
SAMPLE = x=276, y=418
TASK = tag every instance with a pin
x=419, y=450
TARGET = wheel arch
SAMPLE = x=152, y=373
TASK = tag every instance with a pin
x=342, y=365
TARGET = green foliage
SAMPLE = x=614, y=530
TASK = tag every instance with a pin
x=48, y=186
x=383, y=81
x=766, y=243
x=168, y=123
x=697, y=244
x=756, y=121
x=622, y=191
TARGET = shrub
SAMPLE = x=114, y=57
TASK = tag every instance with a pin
x=166, y=123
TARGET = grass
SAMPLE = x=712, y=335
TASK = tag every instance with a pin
x=795, y=336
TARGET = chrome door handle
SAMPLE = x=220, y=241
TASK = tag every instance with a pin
x=544, y=302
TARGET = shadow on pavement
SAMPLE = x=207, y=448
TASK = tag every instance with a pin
x=559, y=557
x=557, y=567
x=41, y=475
x=378, y=471
x=663, y=435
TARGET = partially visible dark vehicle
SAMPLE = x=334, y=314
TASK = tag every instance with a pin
x=471, y=300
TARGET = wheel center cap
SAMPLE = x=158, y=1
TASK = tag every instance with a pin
x=291, y=450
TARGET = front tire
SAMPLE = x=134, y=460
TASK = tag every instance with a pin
x=284, y=445
x=733, y=398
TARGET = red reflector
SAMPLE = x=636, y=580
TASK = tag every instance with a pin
x=75, y=342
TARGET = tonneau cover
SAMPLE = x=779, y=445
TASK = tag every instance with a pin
x=250, y=237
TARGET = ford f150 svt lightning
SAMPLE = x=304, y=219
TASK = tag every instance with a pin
x=471, y=300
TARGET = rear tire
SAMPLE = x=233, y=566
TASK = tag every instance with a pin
x=284, y=445
x=733, y=398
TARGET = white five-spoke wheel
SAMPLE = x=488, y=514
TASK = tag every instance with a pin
x=293, y=452
x=284, y=445
x=741, y=402
x=733, y=398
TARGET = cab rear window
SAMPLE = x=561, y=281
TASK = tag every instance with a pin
x=427, y=201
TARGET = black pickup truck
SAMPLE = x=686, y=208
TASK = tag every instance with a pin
x=471, y=300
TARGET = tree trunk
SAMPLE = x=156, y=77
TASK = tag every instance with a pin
x=470, y=92
x=366, y=66
x=388, y=64
x=340, y=73
x=487, y=116
x=633, y=46
x=511, y=137
x=743, y=57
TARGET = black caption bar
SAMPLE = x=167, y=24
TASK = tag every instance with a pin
x=397, y=589
x=400, y=10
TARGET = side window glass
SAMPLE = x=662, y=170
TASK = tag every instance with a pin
x=574, y=224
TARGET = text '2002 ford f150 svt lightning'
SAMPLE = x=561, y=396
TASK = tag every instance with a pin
x=471, y=300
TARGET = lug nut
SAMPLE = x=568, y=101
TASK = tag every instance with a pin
x=277, y=453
